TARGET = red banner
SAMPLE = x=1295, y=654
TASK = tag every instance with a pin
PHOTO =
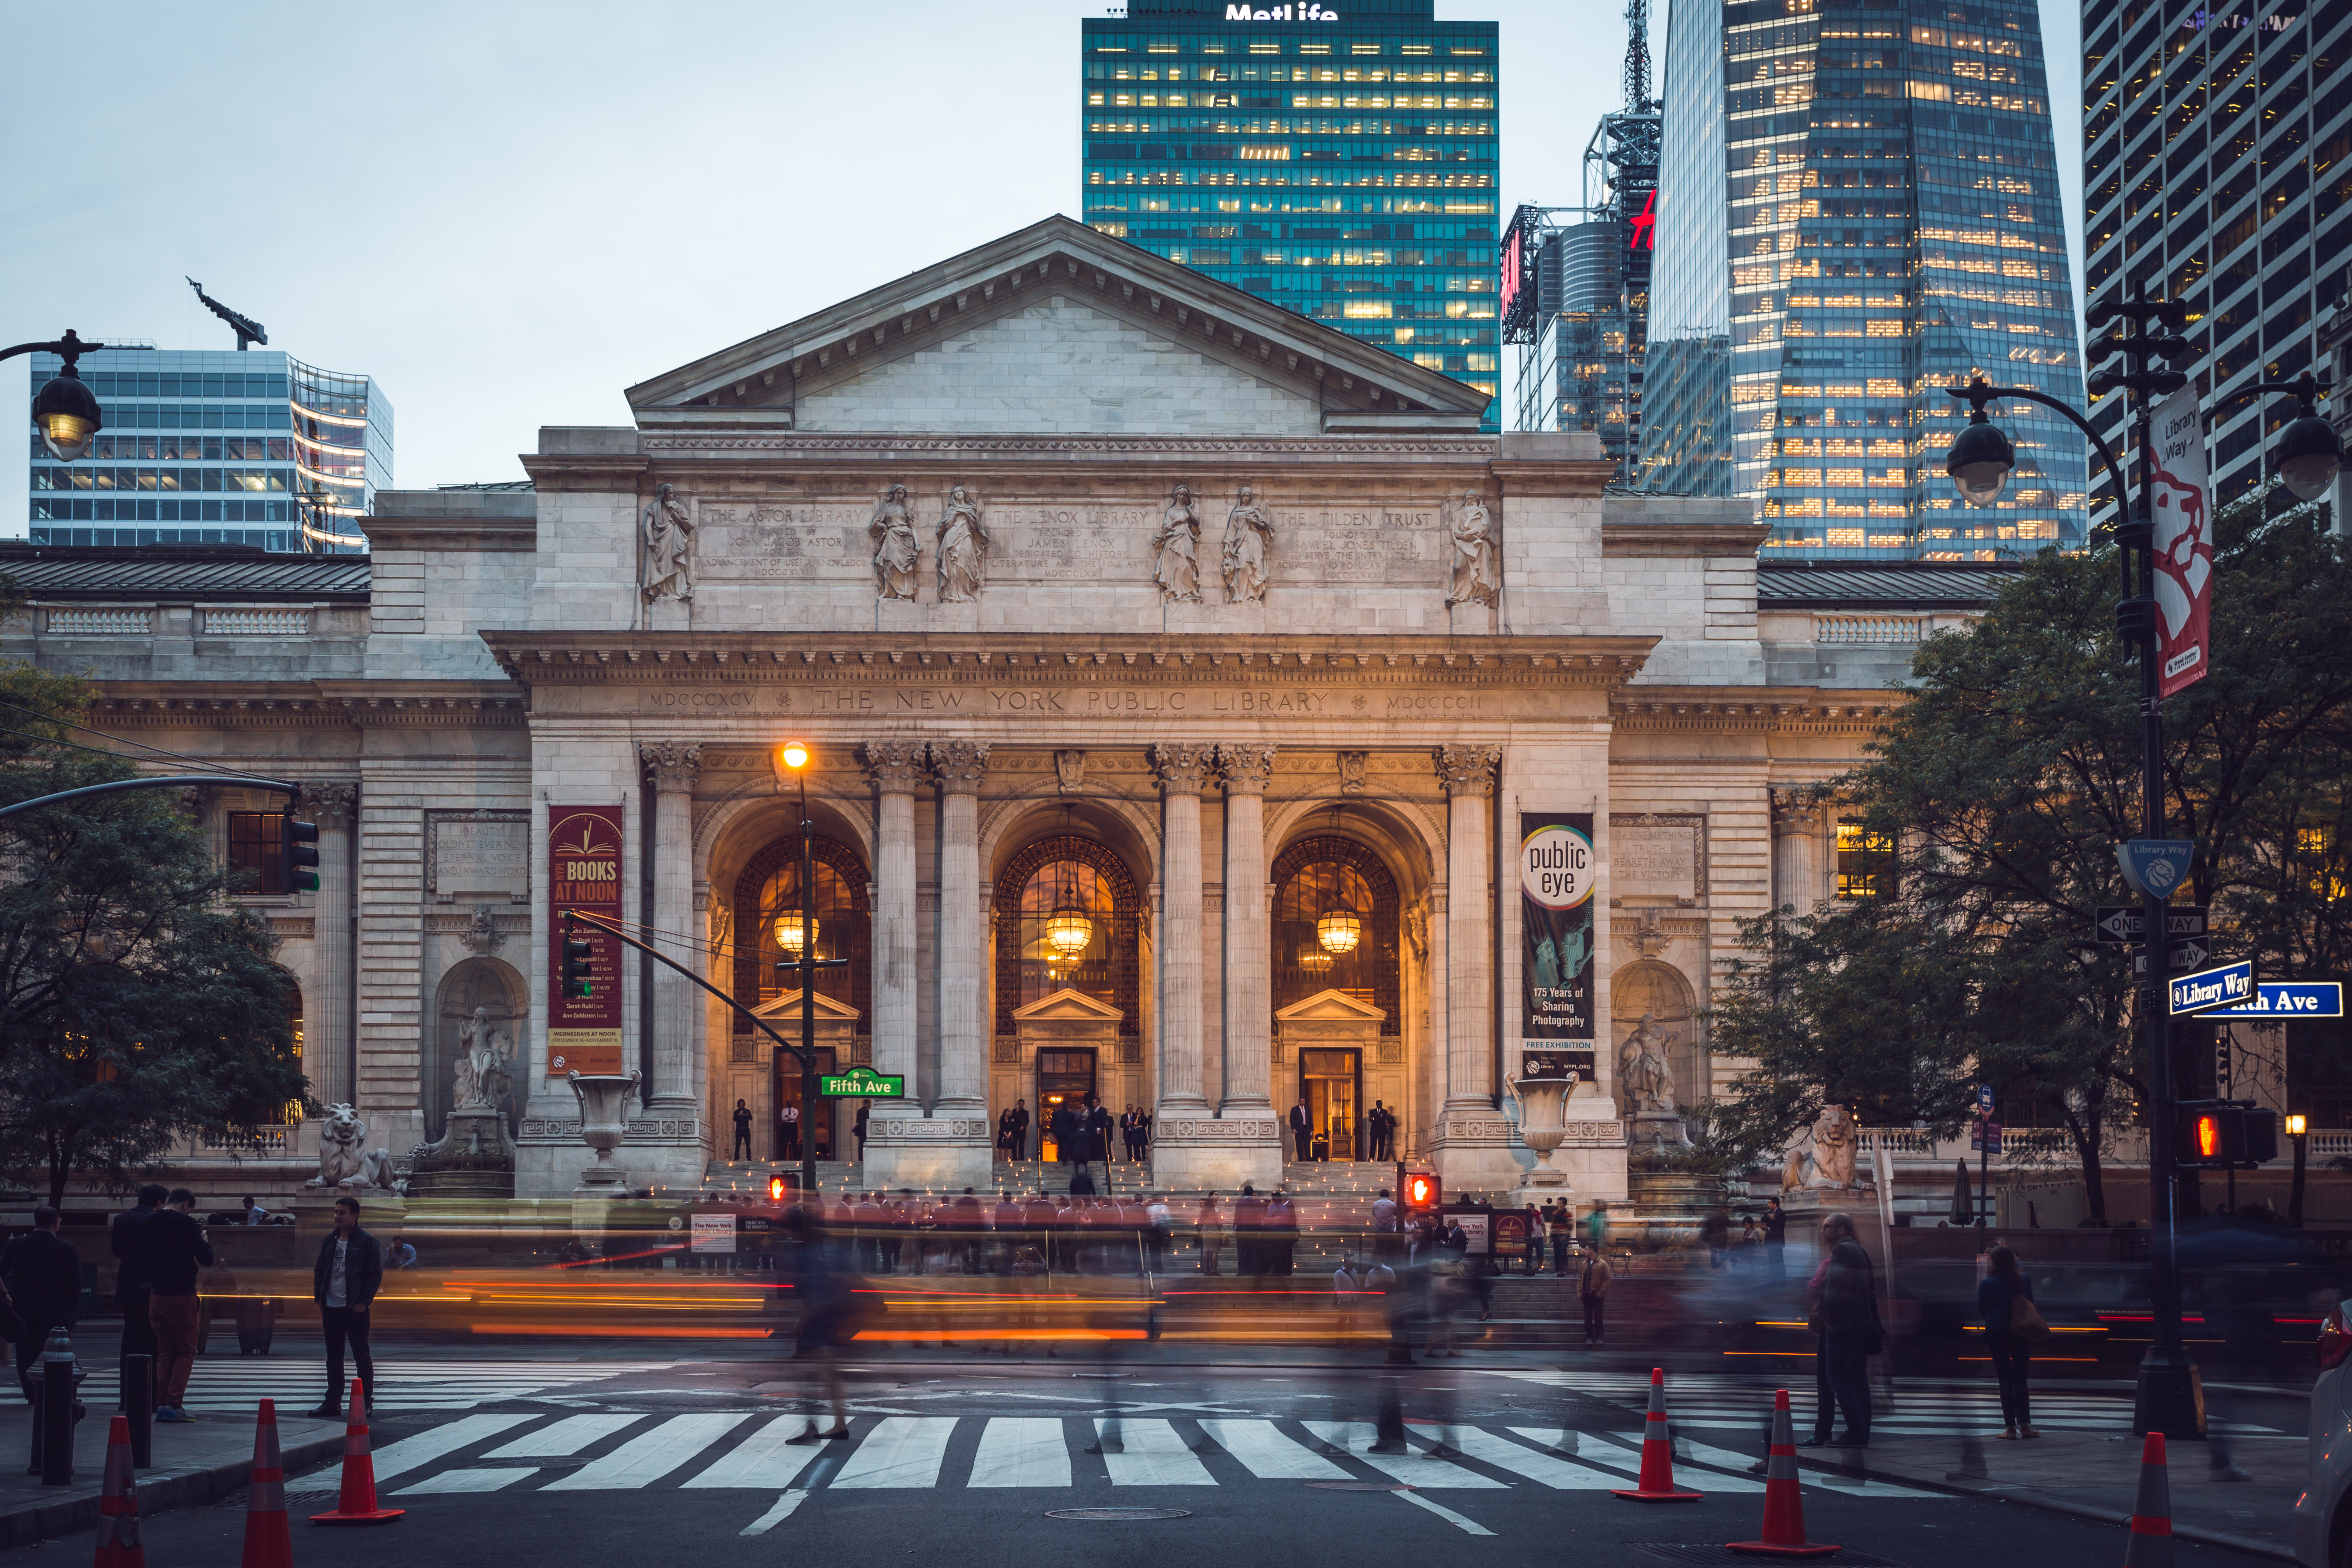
x=583, y=872
x=2182, y=511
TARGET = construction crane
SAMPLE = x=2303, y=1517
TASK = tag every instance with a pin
x=250, y=331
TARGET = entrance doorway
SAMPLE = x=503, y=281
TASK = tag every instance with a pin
x=788, y=1093
x=1332, y=1085
x=1064, y=1077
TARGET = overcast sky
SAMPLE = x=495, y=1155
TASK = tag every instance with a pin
x=507, y=213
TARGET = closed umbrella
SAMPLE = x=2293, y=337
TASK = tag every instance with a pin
x=1964, y=1208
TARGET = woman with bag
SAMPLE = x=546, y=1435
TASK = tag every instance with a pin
x=2013, y=1325
x=1846, y=1312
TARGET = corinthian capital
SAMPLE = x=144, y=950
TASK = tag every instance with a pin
x=1245, y=767
x=331, y=803
x=1181, y=769
x=671, y=764
x=959, y=765
x=895, y=766
x=1468, y=770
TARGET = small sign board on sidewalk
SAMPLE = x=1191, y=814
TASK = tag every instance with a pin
x=2230, y=985
x=714, y=1232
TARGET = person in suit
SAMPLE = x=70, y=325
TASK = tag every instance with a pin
x=1021, y=1129
x=1143, y=1132
x=345, y=1280
x=1302, y=1128
x=864, y=1111
x=1380, y=1123
x=1099, y=1126
x=743, y=1131
x=42, y=1273
x=1065, y=1128
x=129, y=1286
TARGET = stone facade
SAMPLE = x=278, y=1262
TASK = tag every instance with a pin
x=503, y=659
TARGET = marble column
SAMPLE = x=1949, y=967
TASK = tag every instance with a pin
x=1796, y=843
x=1181, y=770
x=896, y=769
x=330, y=1041
x=1468, y=772
x=673, y=767
x=959, y=766
x=1249, y=980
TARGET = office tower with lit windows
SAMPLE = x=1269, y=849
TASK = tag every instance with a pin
x=2218, y=170
x=1344, y=167
x=1858, y=208
x=217, y=447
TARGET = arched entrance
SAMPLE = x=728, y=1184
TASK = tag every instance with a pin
x=1336, y=982
x=768, y=930
x=1068, y=981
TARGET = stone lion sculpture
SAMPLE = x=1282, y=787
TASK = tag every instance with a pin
x=344, y=1158
x=1836, y=1141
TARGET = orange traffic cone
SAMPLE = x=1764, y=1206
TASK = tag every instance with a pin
x=118, y=1510
x=268, y=1540
x=1784, y=1504
x=2150, y=1545
x=1657, y=1453
x=357, y=1503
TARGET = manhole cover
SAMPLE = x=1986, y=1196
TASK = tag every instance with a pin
x=1358, y=1486
x=1118, y=1513
x=1724, y=1557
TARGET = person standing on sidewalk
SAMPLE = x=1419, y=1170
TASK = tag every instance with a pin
x=171, y=1248
x=1998, y=1294
x=345, y=1282
x=1849, y=1327
x=42, y=1273
x=1776, y=1240
x=1591, y=1288
x=130, y=1287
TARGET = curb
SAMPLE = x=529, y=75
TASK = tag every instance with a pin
x=75, y=1509
x=1996, y=1492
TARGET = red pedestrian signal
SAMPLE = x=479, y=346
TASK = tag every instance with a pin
x=775, y=1189
x=1422, y=1192
x=2209, y=1136
x=2224, y=1134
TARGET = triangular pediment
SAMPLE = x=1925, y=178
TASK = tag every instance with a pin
x=1330, y=1007
x=1057, y=329
x=1066, y=1005
x=788, y=1006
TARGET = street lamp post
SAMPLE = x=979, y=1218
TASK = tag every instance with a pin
x=2297, y=1128
x=1980, y=462
x=796, y=758
x=65, y=408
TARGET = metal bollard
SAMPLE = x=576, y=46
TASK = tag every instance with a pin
x=58, y=1375
x=139, y=1407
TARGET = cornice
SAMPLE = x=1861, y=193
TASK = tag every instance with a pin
x=1785, y=710
x=585, y=470
x=336, y=704
x=1682, y=538
x=1242, y=455
x=461, y=534
x=1522, y=477
x=613, y=658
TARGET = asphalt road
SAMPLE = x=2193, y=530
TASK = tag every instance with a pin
x=551, y=1453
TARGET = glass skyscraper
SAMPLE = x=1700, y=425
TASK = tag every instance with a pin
x=1344, y=169
x=216, y=447
x=1857, y=207
x=2218, y=170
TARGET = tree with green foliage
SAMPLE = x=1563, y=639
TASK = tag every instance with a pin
x=2002, y=784
x=139, y=1002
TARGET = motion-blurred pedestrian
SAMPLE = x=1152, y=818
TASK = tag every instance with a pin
x=824, y=1294
x=130, y=1285
x=1591, y=1291
x=1849, y=1326
x=42, y=1273
x=1209, y=1233
x=2007, y=1338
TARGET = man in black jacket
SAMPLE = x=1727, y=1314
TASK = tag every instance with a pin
x=345, y=1282
x=171, y=1248
x=1063, y=1125
x=42, y=1273
x=130, y=1290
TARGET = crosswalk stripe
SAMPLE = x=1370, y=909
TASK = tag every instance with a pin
x=414, y=1453
x=564, y=1438
x=1021, y=1451
x=774, y=1516
x=1703, y=1454
x=1415, y=1468
x=1505, y=1455
x=765, y=1460
x=1266, y=1453
x=1461, y=1521
x=1155, y=1457
x=649, y=1455
x=902, y=1451
x=468, y=1480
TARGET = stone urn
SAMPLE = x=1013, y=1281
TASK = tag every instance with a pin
x=1543, y=1122
x=603, y=1123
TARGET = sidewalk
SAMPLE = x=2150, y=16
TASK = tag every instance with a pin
x=2098, y=1477
x=196, y=1463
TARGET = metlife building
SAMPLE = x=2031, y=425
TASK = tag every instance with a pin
x=1341, y=162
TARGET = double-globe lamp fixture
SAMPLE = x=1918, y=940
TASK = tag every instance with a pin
x=64, y=409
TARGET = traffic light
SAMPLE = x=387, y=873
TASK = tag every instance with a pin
x=302, y=856
x=2215, y=1134
x=575, y=968
x=1423, y=1193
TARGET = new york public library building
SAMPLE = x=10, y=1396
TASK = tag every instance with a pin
x=1189, y=688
